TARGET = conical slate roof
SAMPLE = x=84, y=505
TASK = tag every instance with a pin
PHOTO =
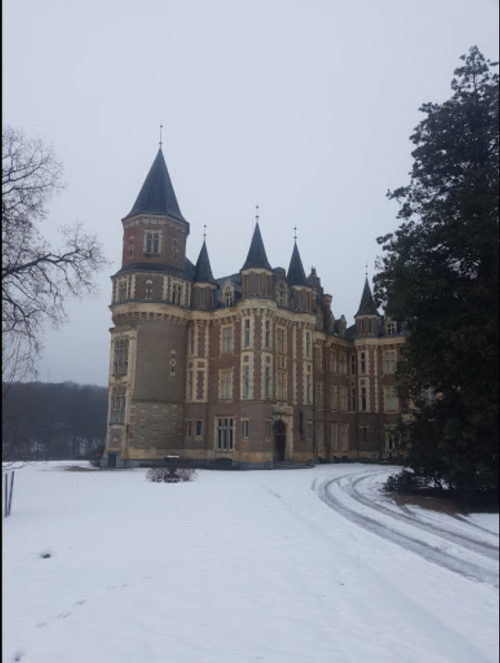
x=257, y=258
x=157, y=195
x=296, y=274
x=367, y=305
x=203, y=270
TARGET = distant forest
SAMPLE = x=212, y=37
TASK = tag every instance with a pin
x=47, y=421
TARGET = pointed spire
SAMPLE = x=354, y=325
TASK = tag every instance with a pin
x=257, y=258
x=296, y=274
x=203, y=270
x=157, y=195
x=367, y=305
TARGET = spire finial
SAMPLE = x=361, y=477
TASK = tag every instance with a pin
x=295, y=232
x=204, y=232
x=366, y=268
x=256, y=214
x=161, y=132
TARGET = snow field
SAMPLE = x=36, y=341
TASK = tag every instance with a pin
x=233, y=567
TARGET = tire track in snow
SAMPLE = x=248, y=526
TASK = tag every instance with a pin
x=428, y=551
x=443, y=531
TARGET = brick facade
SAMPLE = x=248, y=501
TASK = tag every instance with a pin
x=251, y=367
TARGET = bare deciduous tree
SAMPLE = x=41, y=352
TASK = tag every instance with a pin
x=36, y=276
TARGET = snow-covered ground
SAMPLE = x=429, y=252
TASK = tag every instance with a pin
x=291, y=566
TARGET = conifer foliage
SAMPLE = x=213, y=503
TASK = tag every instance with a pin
x=439, y=273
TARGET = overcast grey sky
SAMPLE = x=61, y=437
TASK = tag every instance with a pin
x=304, y=107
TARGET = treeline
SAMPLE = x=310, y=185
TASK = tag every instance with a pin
x=48, y=421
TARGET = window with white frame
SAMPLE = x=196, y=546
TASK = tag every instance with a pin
x=118, y=402
x=246, y=332
x=267, y=334
x=245, y=381
x=227, y=339
x=149, y=289
x=225, y=384
x=123, y=290
x=362, y=362
x=282, y=295
x=391, y=329
x=228, y=295
x=120, y=360
x=176, y=294
x=152, y=243
x=225, y=434
x=389, y=362
x=308, y=345
x=391, y=399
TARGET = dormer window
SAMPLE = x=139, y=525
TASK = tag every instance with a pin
x=228, y=295
x=391, y=328
x=282, y=296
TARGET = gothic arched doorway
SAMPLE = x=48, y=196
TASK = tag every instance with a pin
x=279, y=440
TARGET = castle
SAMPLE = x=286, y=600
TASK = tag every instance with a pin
x=252, y=367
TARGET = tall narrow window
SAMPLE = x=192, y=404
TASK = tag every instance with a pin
x=280, y=337
x=131, y=247
x=123, y=290
x=363, y=399
x=282, y=296
x=198, y=427
x=246, y=382
x=353, y=400
x=244, y=428
x=228, y=296
x=267, y=382
x=391, y=328
x=267, y=334
x=227, y=339
x=308, y=345
x=191, y=341
x=202, y=297
x=226, y=384
x=257, y=284
x=225, y=434
x=120, y=362
x=353, y=364
x=149, y=289
x=175, y=250
x=246, y=332
x=389, y=362
x=176, y=294
x=362, y=368
x=281, y=386
x=308, y=390
x=117, y=410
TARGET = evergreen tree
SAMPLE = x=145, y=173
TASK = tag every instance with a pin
x=439, y=274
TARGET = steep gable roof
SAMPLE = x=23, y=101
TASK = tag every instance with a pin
x=296, y=274
x=157, y=195
x=257, y=258
x=203, y=270
x=367, y=305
